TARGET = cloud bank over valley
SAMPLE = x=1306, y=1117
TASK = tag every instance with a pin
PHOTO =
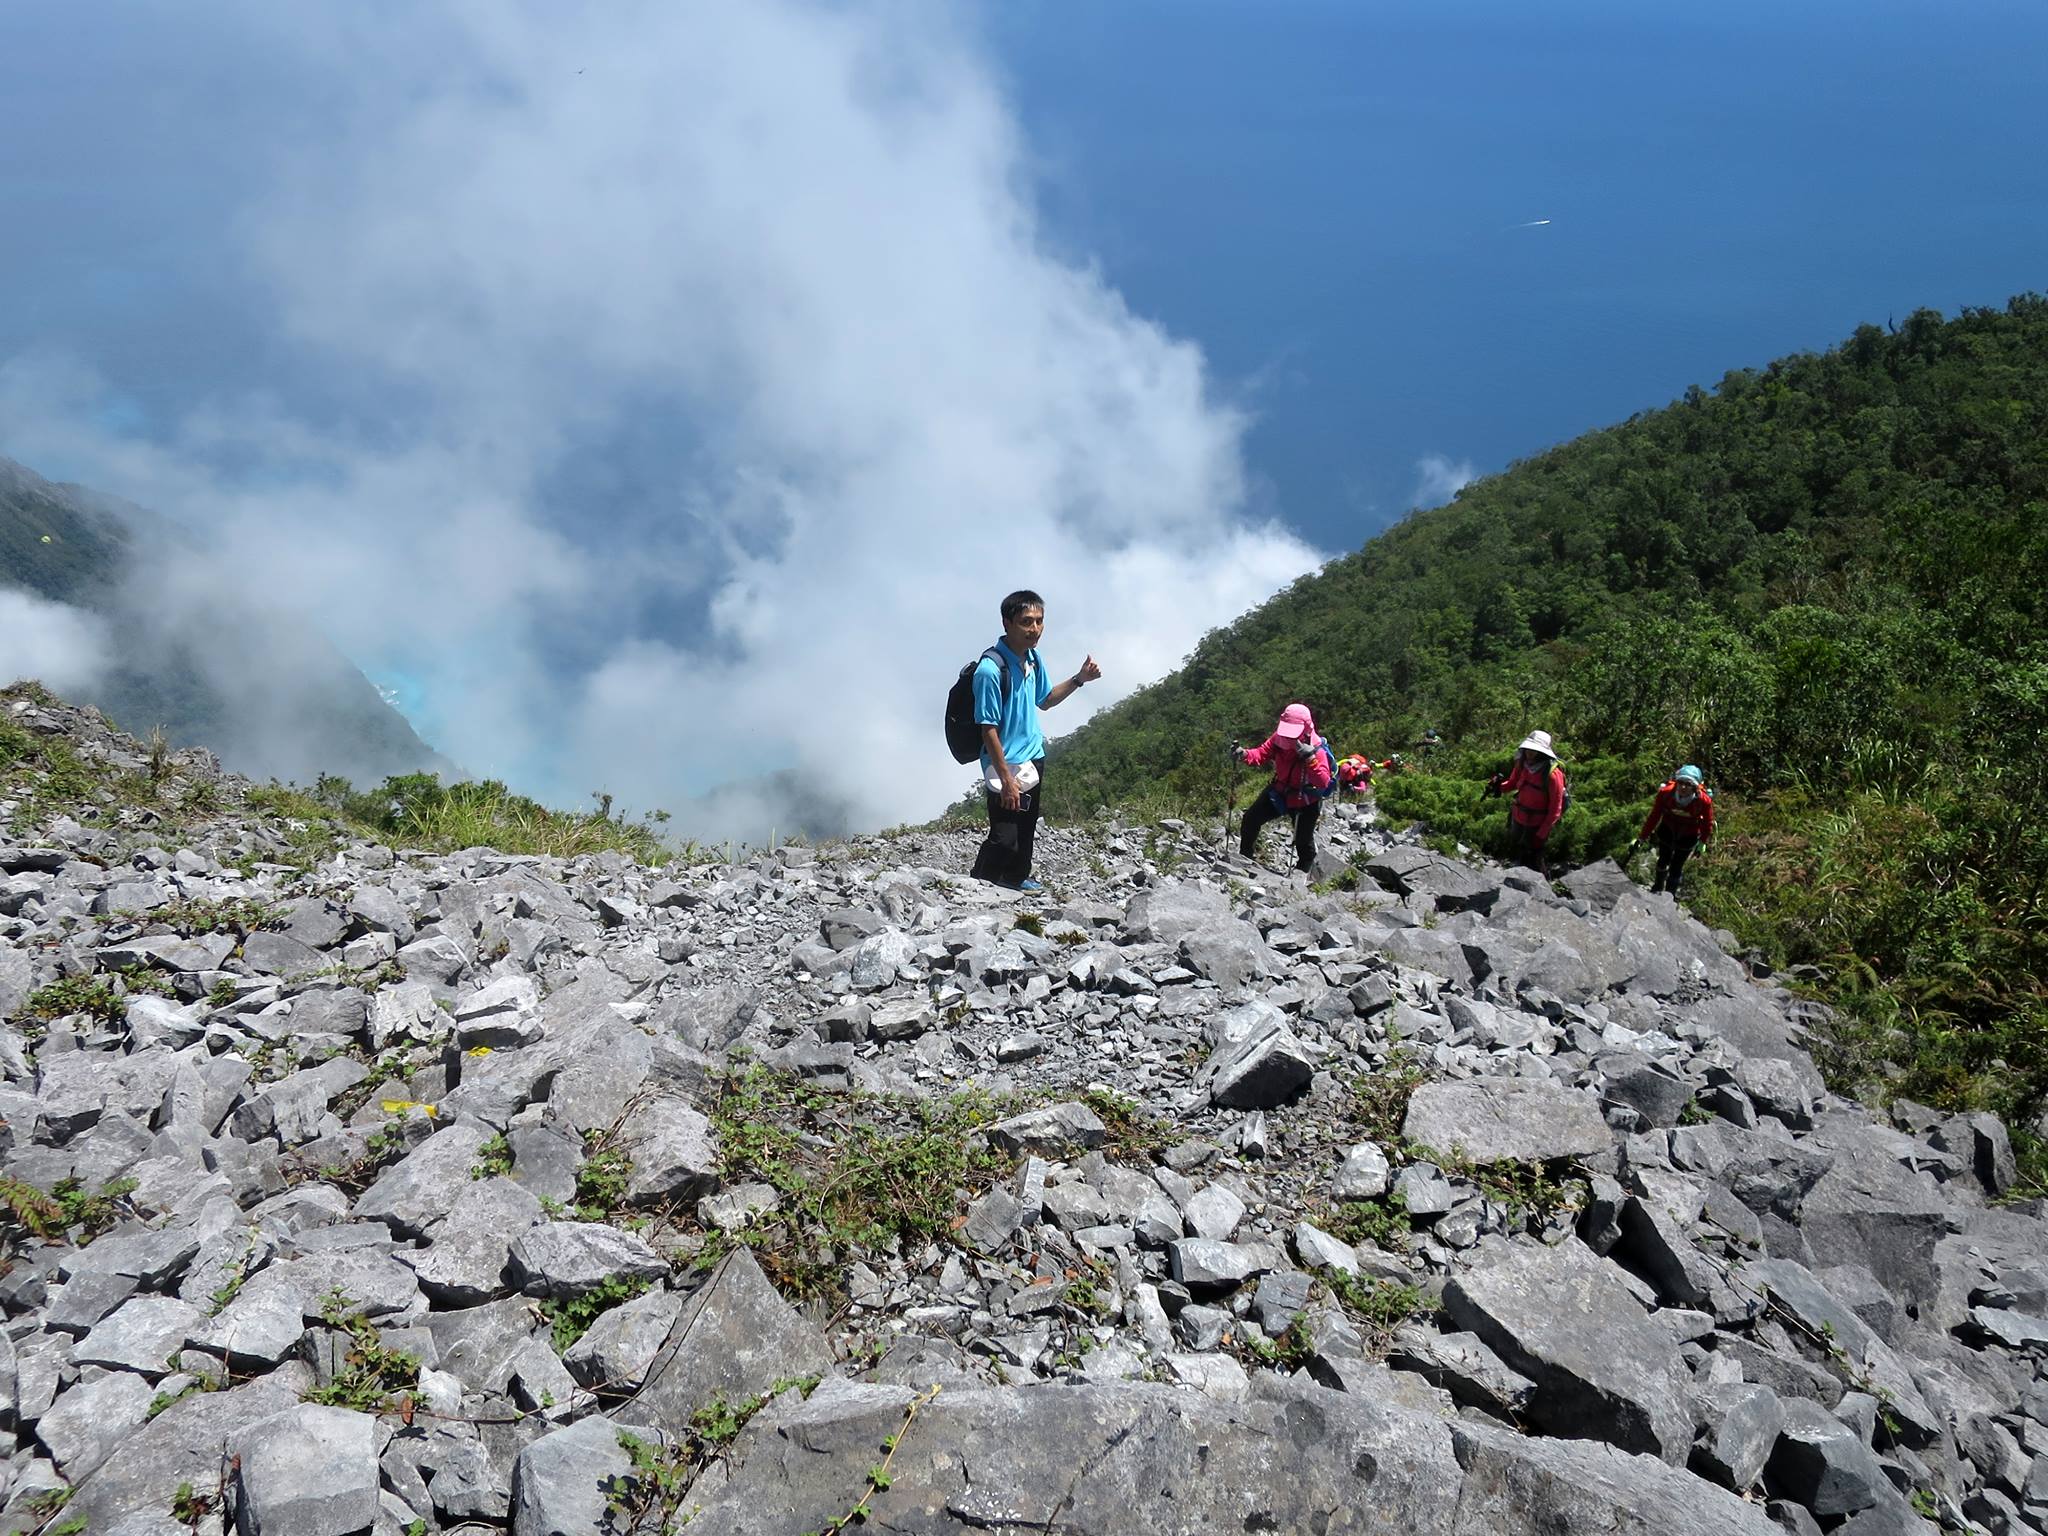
x=693, y=382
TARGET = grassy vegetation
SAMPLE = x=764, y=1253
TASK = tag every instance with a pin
x=418, y=811
x=412, y=811
x=854, y=1170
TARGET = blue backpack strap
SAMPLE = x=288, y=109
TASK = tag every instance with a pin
x=1331, y=758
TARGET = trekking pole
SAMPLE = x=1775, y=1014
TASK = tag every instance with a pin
x=1229, y=790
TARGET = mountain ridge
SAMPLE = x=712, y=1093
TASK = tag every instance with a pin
x=218, y=669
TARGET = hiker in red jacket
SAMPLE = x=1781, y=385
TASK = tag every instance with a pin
x=1304, y=772
x=1535, y=786
x=1681, y=818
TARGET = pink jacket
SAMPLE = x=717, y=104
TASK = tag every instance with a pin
x=1294, y=776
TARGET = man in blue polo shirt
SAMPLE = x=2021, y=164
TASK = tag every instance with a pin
x=1012, y=746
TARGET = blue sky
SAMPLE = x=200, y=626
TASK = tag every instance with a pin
x=1324, y=192
x=593, y=370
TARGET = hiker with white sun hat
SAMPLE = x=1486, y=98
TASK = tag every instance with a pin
x=1538, y=793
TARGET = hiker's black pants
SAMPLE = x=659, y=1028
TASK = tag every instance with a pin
x=1524, y=847
x=1674, y=847
x=1268, y=808
x=1005, y=855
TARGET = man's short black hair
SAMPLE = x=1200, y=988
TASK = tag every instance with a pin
x=1018, y=601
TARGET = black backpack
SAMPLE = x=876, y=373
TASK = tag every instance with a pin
x=963, y=731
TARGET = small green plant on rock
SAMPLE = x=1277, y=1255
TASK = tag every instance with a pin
x=571, y=1316
x=370, y=1375
x=93, y=995
x=494, y=1159
x=1381, y=1222
x=91, y=1214
x=1377, y=1306
x=189, y=1507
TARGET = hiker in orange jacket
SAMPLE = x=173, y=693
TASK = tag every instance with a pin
x=1681, y=818
x=1536, y=787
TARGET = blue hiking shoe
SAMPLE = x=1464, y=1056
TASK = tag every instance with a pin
x=1029, y=887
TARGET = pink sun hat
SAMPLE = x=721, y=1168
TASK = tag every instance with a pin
x=1295, y=721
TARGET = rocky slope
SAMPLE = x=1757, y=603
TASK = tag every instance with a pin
x=404, y=1192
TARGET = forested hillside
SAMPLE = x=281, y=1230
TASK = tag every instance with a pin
x=1821, y=580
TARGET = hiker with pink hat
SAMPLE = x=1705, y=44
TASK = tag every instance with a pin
x=1304, y=773
x=1538, y=794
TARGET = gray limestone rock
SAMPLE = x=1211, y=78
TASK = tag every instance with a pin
x=1562, y=1317
x=1866, y=1209
x=1500, y=1119
x=1057, y=1130
x=736, y=1337
x=845, y=927
x=1229, y=952
x=1820, y=1463
x=308, y=1471
x=1784, y=1087
x=1514, y=1483
x=89, y=1420
x=1166, y=914
x=673, y=1150
x=1462, y=1365
x=279, y=954
x=1739, y=1425
x=1363, y=1175
x=180, y=1445
x=1265, y=1071
x=1204, y=1265
x=414, y=1192
x=561, y=1482
x=1107, y=1460
x=141, y=1335
x=613, y=1356
x=571, y=1258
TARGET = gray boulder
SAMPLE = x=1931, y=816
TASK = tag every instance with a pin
x=1866, y=1209
x=414, y=1192
x=1229, y=952
x=1562, y=1317
x=1819, y=1462
x=1738, y=1429
x=180, y=1445
x=1166, y=914
x=1267, y=1070
x=561, y=1483
x=572, y=1258
x=91, y=1418
x=673, y=1150
x=1057, y=1130
x=308, y=1471
x=1506, y=1119
x=735, y=1337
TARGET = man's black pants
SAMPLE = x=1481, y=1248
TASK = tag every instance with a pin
x=1268, y=808
x=1005, y=855
x=1674, y=847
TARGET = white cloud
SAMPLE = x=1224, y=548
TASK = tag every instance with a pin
x=805, y=236
x=1438, y=479
x=59, y=646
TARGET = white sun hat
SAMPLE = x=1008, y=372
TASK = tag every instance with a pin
x=1538, y=741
